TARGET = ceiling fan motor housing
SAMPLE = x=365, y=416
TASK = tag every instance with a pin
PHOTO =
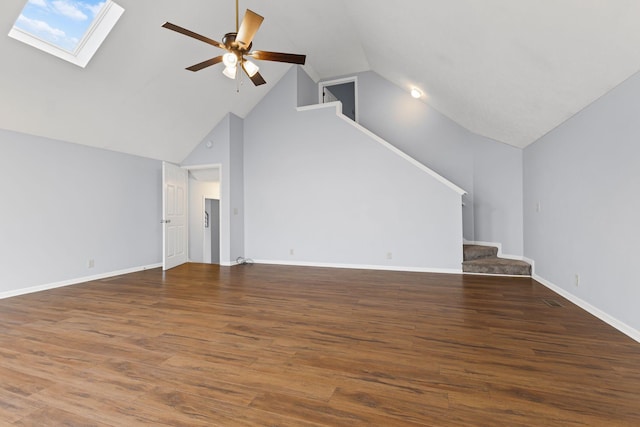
x=229, y=40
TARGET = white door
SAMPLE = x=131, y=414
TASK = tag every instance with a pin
x=174, y=215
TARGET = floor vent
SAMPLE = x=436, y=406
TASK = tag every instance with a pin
x=551, y=302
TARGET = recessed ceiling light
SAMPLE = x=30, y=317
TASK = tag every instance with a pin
x=416, y=93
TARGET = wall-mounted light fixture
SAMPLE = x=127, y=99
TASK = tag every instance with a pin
x=416, y=93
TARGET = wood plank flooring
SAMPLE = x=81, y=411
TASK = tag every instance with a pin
x=204, y=345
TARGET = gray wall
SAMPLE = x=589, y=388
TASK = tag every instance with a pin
x=585, y=174
x=489, y=171
x=307, y=89
x=63, y=204
x=214, y=227
x=236, y=160
x=317, y=185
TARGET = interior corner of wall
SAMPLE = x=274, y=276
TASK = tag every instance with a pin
x=310, y=72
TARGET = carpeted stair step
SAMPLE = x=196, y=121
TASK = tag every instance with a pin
x=471, y=252
x=484, y=259
x=496, y=265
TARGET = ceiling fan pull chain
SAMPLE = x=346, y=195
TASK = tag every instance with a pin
x=239, y=79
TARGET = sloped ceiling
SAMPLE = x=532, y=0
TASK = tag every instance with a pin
x=508, y=70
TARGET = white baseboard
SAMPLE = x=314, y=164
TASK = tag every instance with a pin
x=360, y=266
x=45, y=287
x=532, y=262
x=612, y=321
x=228, y=263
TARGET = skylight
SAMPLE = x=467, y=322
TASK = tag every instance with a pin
x=69, y=29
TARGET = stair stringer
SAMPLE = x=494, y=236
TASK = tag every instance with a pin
x=338, y=107
x=321, y=190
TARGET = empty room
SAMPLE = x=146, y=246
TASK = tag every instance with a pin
x=338, y=213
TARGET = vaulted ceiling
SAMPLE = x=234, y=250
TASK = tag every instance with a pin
x=509, y=70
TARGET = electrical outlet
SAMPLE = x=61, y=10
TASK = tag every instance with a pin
x=577, y=280
x=389, y=255
x=91, y=263
x=291, y=252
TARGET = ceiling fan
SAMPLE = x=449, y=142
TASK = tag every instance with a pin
x=238, y=46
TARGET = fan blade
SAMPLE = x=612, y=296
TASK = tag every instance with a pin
x=190, y=33
x=257, y=78
x=291, y=58
x=205, y=64
x=248, y=28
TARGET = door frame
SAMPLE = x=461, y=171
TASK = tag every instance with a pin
x=335, y=82
x=220, y=199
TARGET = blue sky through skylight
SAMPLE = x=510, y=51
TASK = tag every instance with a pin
x=62, y=23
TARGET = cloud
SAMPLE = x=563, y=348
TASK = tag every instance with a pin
x=41, y=27
x=41, y=3
x=69, y=10
x=46, y=31
x=94, y=9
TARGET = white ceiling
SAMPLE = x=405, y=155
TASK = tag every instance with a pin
x=508, y=70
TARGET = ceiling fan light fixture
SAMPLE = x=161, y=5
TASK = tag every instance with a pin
x=230, y=72
x=230, y=60
x=250, y=68
x=236, y=45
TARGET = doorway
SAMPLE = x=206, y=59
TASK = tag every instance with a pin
x=343, y=90
x=205, y=214
x=211, y=245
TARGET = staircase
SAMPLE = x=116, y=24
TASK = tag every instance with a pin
x=484, y=259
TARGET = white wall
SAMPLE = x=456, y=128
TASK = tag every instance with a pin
x=63, y=204
x=489, y=171
x=585, y=175
x=315, y=184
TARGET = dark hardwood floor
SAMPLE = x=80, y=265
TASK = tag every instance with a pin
x=291, y=346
